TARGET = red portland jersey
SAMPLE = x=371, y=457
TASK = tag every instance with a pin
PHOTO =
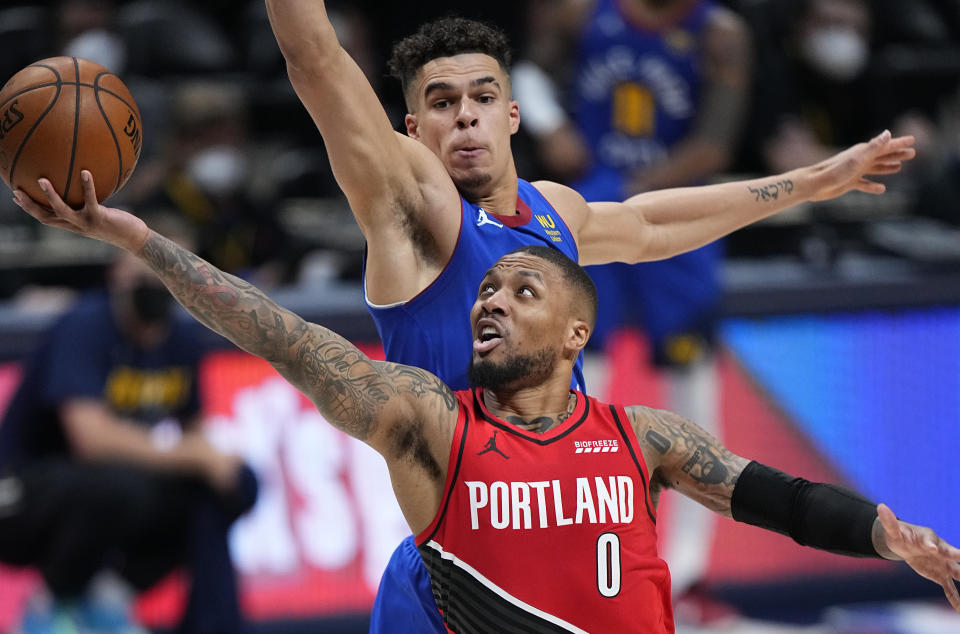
x=548, y=532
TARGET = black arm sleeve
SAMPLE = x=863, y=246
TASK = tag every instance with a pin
x=822, y=516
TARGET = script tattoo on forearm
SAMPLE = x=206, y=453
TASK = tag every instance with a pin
x=772, y=191
x=688, y=454
x=347, y=387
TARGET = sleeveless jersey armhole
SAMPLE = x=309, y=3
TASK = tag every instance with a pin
x=453, y=466
x=630, y=438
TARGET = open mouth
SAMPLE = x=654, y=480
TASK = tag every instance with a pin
x=488, y=338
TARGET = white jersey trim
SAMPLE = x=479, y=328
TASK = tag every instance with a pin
x=382, y=306
x=503, y=594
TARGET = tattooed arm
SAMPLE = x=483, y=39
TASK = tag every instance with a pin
x=405, y=413
x=682, y=456
x=353, y=392
x=660, y=224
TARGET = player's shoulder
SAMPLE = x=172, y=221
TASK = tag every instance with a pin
x=565, y=200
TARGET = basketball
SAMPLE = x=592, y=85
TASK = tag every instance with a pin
x=64, y=114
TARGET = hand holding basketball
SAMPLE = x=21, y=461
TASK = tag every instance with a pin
x=114, y=226
x=62, y=115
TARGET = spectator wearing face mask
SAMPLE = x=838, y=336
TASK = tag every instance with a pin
x=86, y=29
x=811, y=86
x=205, y=175
x=104, y=466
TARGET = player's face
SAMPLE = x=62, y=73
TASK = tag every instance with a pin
x=517, y=322
x=464, y=114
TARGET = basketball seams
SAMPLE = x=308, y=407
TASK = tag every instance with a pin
x=26, y=90
x=30, y=131
x=113, y=134
x=76, y=129
x=39, y=148
x=117, y=95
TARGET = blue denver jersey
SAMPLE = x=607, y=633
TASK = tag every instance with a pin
x=637, y=89
x=432, y=331
x=636, y=94
x=85, y=355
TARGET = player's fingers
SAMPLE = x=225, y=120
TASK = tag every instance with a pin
x=904, y=154
x=30, y=206
x=955, y=570
x=89, y=190
x=903, y=142
x=889, y=521
x=878, y=143
x=44, y=215
x=948, y=551
x=950, y=589
x=56, y=203
x=886, y=168
x=870, y=187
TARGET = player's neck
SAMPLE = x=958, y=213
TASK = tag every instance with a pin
x=537, y=408
x=499, y=198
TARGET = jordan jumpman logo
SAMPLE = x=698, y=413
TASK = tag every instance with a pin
x=484, y=219
x=492, y=446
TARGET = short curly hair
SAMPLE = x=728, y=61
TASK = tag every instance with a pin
x=446, y=37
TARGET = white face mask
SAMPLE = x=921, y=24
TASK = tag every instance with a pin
x=838, y=52
x=99, y=46
x=218, y=170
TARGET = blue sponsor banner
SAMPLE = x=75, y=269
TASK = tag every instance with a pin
x=878, y=393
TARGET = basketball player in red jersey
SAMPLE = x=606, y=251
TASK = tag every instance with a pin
x=439, y=204
x=534, y=505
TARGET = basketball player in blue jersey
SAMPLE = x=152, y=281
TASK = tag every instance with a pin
x=657, y=94
x=430, y=202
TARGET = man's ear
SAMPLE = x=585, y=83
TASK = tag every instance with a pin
x=514, y=115
x=413, y=127
x=579, y=334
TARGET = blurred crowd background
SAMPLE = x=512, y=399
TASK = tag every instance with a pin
x=230, y=151
x=228, y=145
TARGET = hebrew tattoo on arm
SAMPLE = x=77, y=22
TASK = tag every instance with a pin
x=349, y=389
x=772, y=191
x=687, y=457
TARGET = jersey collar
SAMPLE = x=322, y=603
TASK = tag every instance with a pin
x=580, y=412
x=522, y=217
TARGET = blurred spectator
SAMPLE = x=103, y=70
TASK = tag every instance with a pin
x=103, y=464
x=87, y=29
x=205, y=174
x=938, y=182
x=657, y=91
x=813, y=91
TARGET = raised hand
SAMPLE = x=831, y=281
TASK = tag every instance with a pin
x=923, y=550
x=110, y=225
x=850, y=170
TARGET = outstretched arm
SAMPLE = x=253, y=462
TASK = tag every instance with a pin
x=681, y=455
x=398, y=190
x=405, y=413
x=367, y=156
x=661, y=224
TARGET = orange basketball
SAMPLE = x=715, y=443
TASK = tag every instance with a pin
x=64, y=114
